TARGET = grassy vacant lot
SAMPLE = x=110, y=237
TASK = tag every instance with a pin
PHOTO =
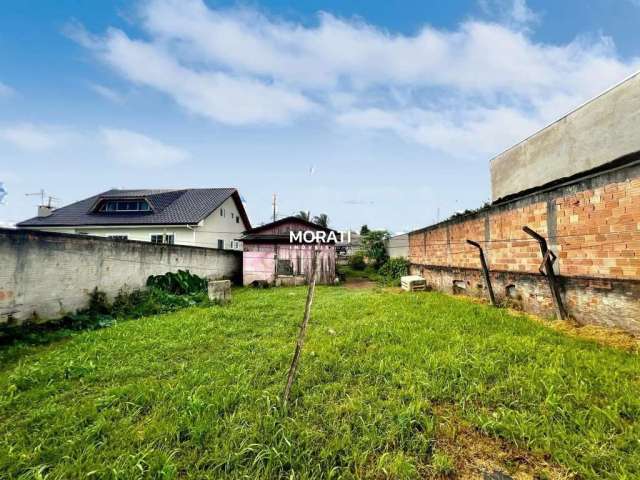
x=391, y=385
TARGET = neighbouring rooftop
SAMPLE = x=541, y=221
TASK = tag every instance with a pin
x=140, y=207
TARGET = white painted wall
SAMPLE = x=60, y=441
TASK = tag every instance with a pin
x=600, y=131
x=220, y=225
x=398, y=246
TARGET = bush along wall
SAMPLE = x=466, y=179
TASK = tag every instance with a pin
x=164, y=293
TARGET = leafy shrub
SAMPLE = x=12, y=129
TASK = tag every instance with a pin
x=98, y=303
x=394, y=268
x=99, y=313
x=373, y=244
x=181, y=282
x=153, y=301
x=357, y=261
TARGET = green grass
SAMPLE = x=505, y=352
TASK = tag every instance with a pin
x=195, y=393
x=369, y=273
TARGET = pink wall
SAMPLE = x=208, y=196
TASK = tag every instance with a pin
x=259, y=261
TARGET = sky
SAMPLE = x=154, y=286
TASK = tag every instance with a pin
x=378, y=113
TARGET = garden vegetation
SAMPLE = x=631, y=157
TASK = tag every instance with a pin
x=391, y=384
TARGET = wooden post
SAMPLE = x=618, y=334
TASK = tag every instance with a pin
x=303, y=330
x=546, y=269
x=485, y=272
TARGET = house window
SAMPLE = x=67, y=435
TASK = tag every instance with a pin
x=163, y=238
x=119, y=206
x=222, y=212
x=235, y=245
x=285, y=267
x=237, y=219
x=118, y=237
x=220, y=244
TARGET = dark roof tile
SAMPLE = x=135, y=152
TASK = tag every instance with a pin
x=170, y=207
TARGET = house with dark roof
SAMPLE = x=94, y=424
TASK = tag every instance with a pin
x=202, y=217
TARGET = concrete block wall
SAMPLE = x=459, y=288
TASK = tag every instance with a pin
x=45, y=275
x=602, y=129
x=593, y=226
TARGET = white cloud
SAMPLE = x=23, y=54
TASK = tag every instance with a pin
x=478, y=132
x=513, y=13
x=522, y=14
x=34, y=138
x=220, y=96
x=139, y=150
x=6, y=90
x=448, y=89
x=477, y=57
x=107, y=93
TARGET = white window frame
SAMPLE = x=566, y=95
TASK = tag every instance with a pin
x=165, y=237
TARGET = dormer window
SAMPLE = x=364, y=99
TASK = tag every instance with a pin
x=123, y=206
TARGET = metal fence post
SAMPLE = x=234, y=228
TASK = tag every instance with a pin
x=485, y=272
x=546, y=269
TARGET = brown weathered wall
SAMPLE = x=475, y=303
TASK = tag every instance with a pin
x=45, y=275
x=592, y=225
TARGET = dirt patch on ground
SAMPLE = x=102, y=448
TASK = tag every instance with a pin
x=477, y=456
x=359, y=283
x=608, y=336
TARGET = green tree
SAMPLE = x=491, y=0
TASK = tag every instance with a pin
x=364, y=229
x=373, y=245
x=322, y=220
x=303, y=215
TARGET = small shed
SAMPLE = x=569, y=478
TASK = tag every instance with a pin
x=271, y=255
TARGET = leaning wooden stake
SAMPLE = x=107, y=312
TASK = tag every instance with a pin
x=485, y=272
x=546, y=269
x=303, y=330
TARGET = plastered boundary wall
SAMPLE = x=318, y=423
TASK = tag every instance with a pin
x=44, y=275
x=592, y=225
x=602, y=129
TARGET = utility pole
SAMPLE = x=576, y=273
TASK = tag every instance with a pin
x=274, y=203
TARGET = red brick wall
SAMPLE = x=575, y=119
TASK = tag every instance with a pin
x=595, y=232
x=598, y=231
x=593, y=226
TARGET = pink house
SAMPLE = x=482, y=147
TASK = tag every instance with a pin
x=271, y=256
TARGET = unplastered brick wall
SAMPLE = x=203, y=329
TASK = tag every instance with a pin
x=598, y=231
x=46, y=275
x=592, y=225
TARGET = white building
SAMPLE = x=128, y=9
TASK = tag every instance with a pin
x=202, y=217
x=398, y=246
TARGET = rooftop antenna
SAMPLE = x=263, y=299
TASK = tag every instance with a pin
x=42, y=194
